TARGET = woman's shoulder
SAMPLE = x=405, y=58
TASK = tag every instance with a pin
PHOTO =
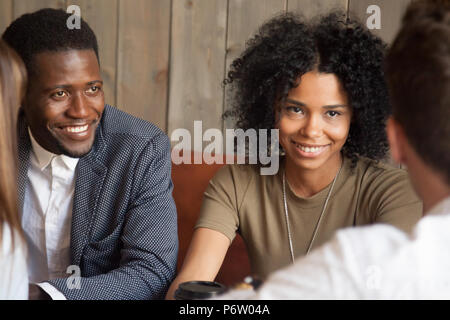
x=381, y=180
x=372, y=170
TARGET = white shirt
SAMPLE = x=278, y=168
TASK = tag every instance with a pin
x=13, y=266
x=373, y=262
x=47, y=214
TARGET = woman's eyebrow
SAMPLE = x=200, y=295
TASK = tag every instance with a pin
x=331, y=106
x=301, y=104
x=335, y=106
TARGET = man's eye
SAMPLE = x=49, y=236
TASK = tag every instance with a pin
x=93, y=89
x=59, y=94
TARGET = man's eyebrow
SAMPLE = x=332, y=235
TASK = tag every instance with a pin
x=94, y=82
x=60, y=86
x=67, y=86
x=331, y=106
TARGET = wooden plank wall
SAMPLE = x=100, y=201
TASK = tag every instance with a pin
x=165, y=60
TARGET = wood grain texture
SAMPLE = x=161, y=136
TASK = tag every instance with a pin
x=101, y=15
x=244, y=19
x=197, y=63
x=143, y=58
x=6, y=14
x=311, y=8
x=28, y=6
x=391, y=14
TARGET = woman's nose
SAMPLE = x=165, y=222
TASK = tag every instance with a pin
x=313, y=127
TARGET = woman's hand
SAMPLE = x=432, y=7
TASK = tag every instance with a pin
x=203, y=259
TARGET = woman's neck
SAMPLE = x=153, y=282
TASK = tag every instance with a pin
x=307, y=182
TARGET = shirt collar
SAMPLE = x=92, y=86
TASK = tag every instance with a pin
x=44, y=157
x=443, y=207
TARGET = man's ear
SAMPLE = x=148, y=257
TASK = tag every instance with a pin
x=395, y=137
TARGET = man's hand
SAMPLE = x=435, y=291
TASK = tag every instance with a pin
x=36, y=293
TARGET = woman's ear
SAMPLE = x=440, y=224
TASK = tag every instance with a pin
x=395, y=137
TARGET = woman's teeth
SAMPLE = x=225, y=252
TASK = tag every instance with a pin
x=309, y=149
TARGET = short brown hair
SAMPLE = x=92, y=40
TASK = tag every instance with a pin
x=418, y=74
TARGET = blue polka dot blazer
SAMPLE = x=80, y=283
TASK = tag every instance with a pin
x=124, y=221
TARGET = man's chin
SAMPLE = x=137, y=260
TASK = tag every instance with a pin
x=75, y=152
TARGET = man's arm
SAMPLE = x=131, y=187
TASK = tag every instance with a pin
x=149, y=237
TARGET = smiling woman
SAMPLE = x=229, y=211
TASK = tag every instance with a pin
x=321, y=84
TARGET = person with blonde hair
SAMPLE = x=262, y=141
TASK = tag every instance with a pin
x=13, y=269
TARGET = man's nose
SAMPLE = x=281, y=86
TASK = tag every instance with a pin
x=78, y=107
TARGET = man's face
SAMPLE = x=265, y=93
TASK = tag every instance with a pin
x=65, y=101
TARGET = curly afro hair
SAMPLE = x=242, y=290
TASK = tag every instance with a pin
x=285, y=48
x=46, y=30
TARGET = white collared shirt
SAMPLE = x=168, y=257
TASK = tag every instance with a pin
x=373, y=262
x=47, y=214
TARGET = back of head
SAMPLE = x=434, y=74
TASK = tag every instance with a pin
x=46, y=30
x=418, y=73
x=12, y=87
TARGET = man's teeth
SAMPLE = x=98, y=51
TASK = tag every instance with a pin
x=309, y=149
x=76, y=129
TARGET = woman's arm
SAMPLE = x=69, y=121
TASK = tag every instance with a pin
x=203, y=258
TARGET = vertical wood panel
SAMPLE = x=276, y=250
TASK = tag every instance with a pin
x=197, y=63
x=28, y=6
x=244, y=19
x=6, y=14
x=311, y=8
x=101, y=15
x=143, y=53
x=391, y=14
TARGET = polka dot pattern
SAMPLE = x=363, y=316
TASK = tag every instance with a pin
x=124, y=223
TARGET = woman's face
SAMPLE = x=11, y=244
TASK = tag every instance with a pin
x=314, y=121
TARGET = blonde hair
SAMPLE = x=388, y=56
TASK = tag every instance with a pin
x=12, y=88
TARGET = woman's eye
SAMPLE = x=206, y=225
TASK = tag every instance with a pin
x=333, y=114
x=294, y=109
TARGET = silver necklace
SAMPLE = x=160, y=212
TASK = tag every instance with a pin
x=320, y=217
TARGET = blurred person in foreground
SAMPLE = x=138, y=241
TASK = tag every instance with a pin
x=382, y=262
x=13, y=268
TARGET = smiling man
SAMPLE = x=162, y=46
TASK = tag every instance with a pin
x=94, y=183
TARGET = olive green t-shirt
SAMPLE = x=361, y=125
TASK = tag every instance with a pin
x=240, y=199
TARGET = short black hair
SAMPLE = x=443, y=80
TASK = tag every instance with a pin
x=286, y=47
x=418, y=73
x=46, y=30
